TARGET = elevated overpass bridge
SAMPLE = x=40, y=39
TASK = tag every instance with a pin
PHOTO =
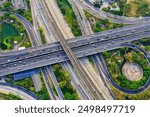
x=17, y=61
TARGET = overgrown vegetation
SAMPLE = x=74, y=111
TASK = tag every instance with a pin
x=137, y=8
x=9, y=96
x=28, y=84
x=7, y=6
x=116, y=59
x=43, y=93
x=42, y=35
x=145, y=43
x=63, y=78
x=69, y=16
x=99, y=25
x=145, y=95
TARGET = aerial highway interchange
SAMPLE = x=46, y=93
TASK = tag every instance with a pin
x=72, y=53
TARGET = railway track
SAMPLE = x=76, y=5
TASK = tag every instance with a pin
x=82, y=75
x=85, y=25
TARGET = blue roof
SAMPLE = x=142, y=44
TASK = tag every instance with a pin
x=24, y=74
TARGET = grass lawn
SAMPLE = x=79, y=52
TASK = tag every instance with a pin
x=8, y=30
x=8, y=35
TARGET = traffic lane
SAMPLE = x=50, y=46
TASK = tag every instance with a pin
x=29, y=30
x=146, y=85
x=85, y=50
x=103, y=36
x=88, y=38
x=22, y=90
x=117, y=19
x=55, y=82
x=23, y=55
x=78, y=43
x=108, y=43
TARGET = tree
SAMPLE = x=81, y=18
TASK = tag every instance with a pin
x=42, y=35
x=8, y=41
x=7, y=6
x=113, y=5
x=97, y=4
x=133, y=85
x=69, y=96
x=106, y=54
x=105, y=21
x=6, y=15
x=106, y=9
x=98, y=24
x=62, y=84
x=147, y=72
x=128, y=57
x=147, y=48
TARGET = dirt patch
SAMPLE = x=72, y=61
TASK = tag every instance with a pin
x=132, y=71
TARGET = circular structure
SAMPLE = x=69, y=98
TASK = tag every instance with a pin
x=92, y=20
x=132, y=71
